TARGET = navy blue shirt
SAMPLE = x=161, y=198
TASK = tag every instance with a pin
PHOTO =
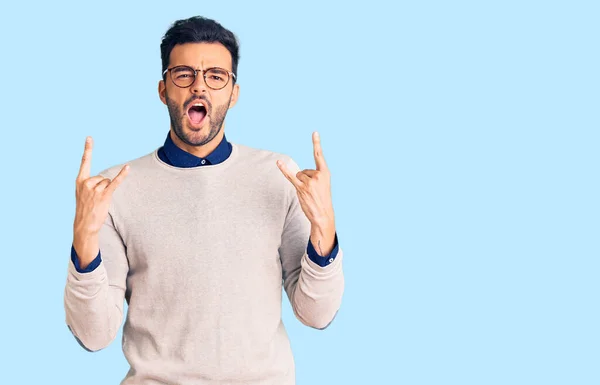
x=171, y=154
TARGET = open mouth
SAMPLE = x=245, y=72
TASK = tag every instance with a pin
x=196, y=113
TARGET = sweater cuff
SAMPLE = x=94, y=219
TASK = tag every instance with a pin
x=322, y=260
x=91, y=267
x=319, y=272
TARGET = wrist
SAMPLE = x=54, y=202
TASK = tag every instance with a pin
x=323, y=238
x=86, y=247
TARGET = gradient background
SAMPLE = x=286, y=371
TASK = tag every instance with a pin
x=462, y=139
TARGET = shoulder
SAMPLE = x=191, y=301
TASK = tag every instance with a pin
x=138, y=166
x=260, y=166
x=258, y=156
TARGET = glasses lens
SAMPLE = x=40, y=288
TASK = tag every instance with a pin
x=182, y=76
x=217, y=78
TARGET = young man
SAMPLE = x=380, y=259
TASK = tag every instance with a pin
x=199, y=236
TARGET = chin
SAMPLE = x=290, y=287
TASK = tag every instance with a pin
x=197, y=136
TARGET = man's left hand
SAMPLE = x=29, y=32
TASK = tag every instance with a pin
x=314, y=194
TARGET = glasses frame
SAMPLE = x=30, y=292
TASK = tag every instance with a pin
x=169, y=70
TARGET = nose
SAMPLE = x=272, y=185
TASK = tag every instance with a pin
x=199, y=86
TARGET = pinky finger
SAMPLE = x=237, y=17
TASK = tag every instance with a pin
x=292, y=178
x=118, y=179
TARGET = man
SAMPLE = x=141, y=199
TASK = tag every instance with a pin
x=199, y=236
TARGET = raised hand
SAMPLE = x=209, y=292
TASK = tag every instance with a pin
x=314, y=194
x=93, y=196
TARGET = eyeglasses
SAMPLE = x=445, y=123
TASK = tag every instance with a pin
x=184, y=76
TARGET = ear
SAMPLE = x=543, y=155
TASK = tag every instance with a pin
x=234, y=95
x=162, y=92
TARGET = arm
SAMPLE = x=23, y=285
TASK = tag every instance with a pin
x=315, y=292
x=94, y=300
x=95, y=288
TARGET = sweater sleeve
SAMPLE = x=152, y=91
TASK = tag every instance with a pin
x=315, y=292
x=94, y=300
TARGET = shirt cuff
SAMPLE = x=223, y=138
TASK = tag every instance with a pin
x=322, y=260
x=91, y=267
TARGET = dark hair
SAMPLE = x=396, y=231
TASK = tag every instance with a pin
x=199, y=29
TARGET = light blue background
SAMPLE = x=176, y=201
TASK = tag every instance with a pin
x=463, y=142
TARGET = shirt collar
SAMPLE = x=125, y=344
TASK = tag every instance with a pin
x=180, y=158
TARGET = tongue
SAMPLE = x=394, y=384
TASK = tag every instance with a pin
x=196, y=116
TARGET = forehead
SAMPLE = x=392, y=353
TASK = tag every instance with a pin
x=200, y=55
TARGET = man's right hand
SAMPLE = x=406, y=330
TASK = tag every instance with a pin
x=93, y=195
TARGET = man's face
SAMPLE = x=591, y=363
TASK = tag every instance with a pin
x=195, y=125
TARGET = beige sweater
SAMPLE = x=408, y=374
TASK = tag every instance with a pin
x=200, y=255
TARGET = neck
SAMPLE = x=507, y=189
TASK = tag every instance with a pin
x=199, y=151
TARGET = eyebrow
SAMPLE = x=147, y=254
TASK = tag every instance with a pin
x=183, y=67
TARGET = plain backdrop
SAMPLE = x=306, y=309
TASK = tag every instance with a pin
x=462, y=138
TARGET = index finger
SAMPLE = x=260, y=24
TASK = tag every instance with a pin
x=86, y=160
x=318, y=152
